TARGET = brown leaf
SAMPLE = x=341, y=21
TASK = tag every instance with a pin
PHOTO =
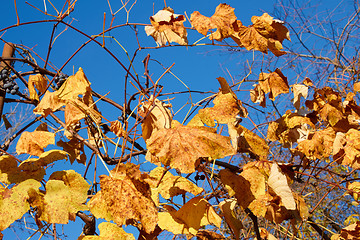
x=246, y=187
x=116, y=127
x=167, y=27
x=222, y=20
x=257, y=95
x=273, y=83
x=351, y=232
x=208, y=235
x=157, y=116
x=125, y=196
x=299, y=91
x=33, y=143
x=75, y=149
x=36, y=81
x=182, y=146
x=352, y=149
x=249, y=38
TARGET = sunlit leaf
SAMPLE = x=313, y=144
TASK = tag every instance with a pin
x=227, y=207
x=39, y=82
x=33, y=164
x=33, y=143
x=109, y=231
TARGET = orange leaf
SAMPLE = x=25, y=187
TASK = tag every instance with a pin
x=273, y=83
x=116, y=127
x=222, y=20
x=125, y=196
x=167, y=27
x=75, y=149
x=39, y=82
x=257, y=95
x=33, y=143
x=49, y=103
x=182, y=146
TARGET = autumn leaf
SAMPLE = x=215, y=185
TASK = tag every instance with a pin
x=351, y=156
x=246, y=187
x=66, y=194
x=109, y=231
x=227, y=207
x=156, y=116
x=222, y=21
x=49, y=103
x=117, y=128
x=245, y=141
x=208, y=235
x=193, y=215
x=167, y=27
x=14, y=202
x=33, y=143
x=351, y=232
x=33, y=164
x=273, y=83
x=257, y=95
x=319, y=145
x=75, y=149
x=125, y=196
x=299, y=91
x=39, y=82
x=11, y=173
x=182, y=146
x=264, y=234
x=278, y=182
x=170, y=185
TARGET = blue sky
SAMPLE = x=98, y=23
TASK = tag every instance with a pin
x=197, y=67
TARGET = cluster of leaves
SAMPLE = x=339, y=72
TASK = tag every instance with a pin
x=326, y=130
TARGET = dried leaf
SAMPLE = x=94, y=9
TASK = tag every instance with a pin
x=175, y=147
x=14, y=202
x=109, y=231
x=171, y=186
x=351, y=232
x=39, y=82
x=75, y=149
x=33, y=143
x=246, y=187
x=117, y=128
x=157, y=116
x=74, y=86
x=257, y=95
x=299, y=91
x=227, y=207
x=208, y=235
x=245, y=141
x=6, y=122
x=222, y=20
x=125, y=196
x=193, y=215
x=167, y=27
x=273, y=83
x=264, y=234
x=352, y=149
x=278, y=182
x=49, y=103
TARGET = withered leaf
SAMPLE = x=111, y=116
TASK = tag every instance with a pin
x=33, y=164
x=193, y=215
x=182, y=146
x=273, y=83
x=167, y=27
x=124, y=196
x=33, y=143
x=299, y=90
x=157, y=116
x=117, y=128
x=75, y=149
x=39, y=82
x=246, y=187
x=227, y=207
x=257, y=95
x=222, y=21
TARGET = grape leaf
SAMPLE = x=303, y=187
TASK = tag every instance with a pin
x=227, y=207
x=167, y=27
x=273, y=83
x=109, y=231
x=33, y=164
x=33, y=143
x=36, y=81
x=125, y=196
x=117, y=128
x=182, y=146
x=14, y=202
x=193, y=215
x=171, y=185
x=66, y=194
x=75, y=149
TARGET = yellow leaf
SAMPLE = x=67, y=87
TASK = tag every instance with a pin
x=193, y=215
x=33, y=164
x=109, y=231
x=167, y=27
x=227, y=207
x=273, y=83
x=14, y=202
x=49, y=103
x=116, y=127
x=174, y=147
x=171, y=186
x=33, y=143
x=299, y=90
